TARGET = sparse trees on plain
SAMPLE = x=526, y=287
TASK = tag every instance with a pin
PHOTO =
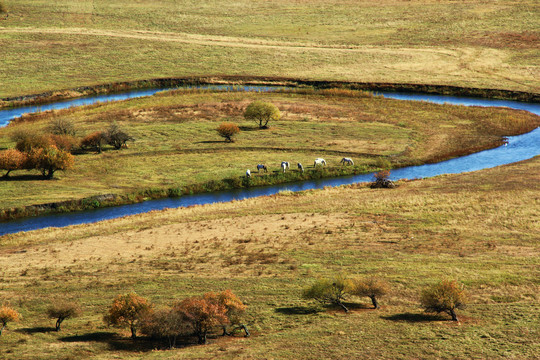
x=228, y=131
x=329, y=291
x=371, y=287
x=446, y=296
x=262, y=112
x=63, y=310
x=127, y=310
x=8, y=314
x=12, y=159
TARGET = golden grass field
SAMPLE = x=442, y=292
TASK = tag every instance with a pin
x=64, y=44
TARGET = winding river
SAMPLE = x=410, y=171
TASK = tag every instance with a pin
x=519, y=148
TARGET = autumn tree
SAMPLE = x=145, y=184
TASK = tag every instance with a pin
x=262, y=113
x=12, y=159
x=446, y=296
x=228, y=131
x=28, y=141
x=94, y=141
x=8, y=314
x=329, y=291
x=234, y=308
x=127, y=310
x=63, y=310
x=371, y=287
x=168, y=323
x=64, y=142
x=51, y=159
x=202, y=315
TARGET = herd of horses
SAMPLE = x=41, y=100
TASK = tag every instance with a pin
x=285, y=165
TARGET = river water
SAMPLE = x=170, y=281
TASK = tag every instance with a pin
x=519, y=148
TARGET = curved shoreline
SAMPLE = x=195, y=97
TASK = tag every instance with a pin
x=111, y=88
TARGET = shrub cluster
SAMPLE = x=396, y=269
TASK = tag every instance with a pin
x=228, y=131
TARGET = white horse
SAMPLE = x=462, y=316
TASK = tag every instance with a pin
x=285, y=165
x=262, y=167
x=300, y=167
x=319, y=161
x=248, y=173
x=347, y=161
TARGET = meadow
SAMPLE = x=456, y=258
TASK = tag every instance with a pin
x=177, y=147
x=479, y=228
x=69, y=43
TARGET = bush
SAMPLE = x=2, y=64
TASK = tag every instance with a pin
x=262, y=113
x=116, y=137
x=446, y=296
x=64, y=142
x=26, y=142
x=62, y=126
x=51, y=159
x=165, y=323
x=8, y=314
x=12, y=159
x=94, y=141
x=202, y=315
x=371, y=287
x=63, y=310
x=127, y=311
x=234, y=308
x=228, y=131
x=328, y=291
x=382, y=181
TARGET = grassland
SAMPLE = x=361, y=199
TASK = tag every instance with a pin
x=480, y=228
x=63, y=44
x=177, y=146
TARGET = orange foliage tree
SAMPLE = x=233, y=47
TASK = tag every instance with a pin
x=228, y=131
x=127, y=310
x=51, y=159
x=94, y=141
x=8, y=314
x=234, y=308
x=12, y=159
x=446, y=296
x=202, y=314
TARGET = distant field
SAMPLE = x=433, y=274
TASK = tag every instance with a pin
x=480, y=228
x=176, y=143
x=52, y=45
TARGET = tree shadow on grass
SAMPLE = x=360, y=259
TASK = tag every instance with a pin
x=22, y=178
x=249, y=128
x=140, y=344
x=413, y=318
x=37, y=329
x=298, y=310
x=212, y=142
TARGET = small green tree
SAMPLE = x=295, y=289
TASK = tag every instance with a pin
x=62, y=310
x=127, y=311
x=371, y=287
x=262, y=113
x=446, y=296
x=8, y=314
x=329, y=291
x=228, y=131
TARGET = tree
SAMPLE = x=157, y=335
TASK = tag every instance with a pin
x=116, y=137
x=202, y=315
x=371, y=287
x=8, y=314
x=446, y=296
x=51, y=159
x=382, y=180
x=12, y=159
x=228, y=131
x=63, y=310
x=64, y=142
x=126, y=311
x=234, y=308
x=329, y=291
x=28, y=141
x=94, y=141
x=62, y=126
x=165, y=323
x=262, y=113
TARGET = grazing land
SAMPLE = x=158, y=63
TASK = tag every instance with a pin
x=64, y=44
x=480, y=228
x=176, y=144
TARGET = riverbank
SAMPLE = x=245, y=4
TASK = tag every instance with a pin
x=118, y=87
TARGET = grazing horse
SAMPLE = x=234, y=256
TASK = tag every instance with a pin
x=346, y=161
x=300, y=167
x=248, y=173
x=285, y=165
x=319, y=161
x=263, y=167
